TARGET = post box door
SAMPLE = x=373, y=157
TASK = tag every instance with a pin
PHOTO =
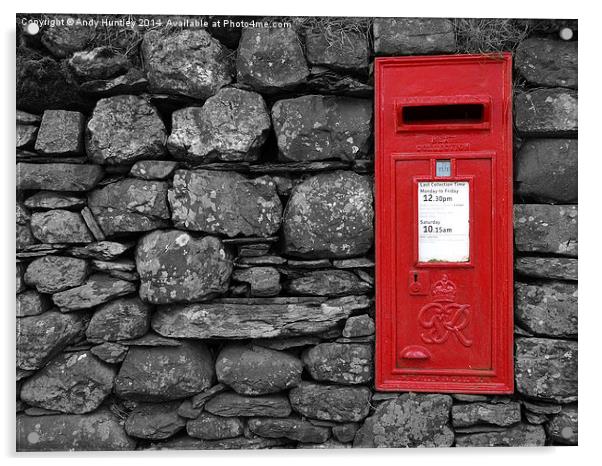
x=444, y=252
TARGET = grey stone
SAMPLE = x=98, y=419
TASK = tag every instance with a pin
x=24, y=236
x=102, y=250
x=324, y=80
x=232, y=404
x=232, y=126
x=245, y=261
x=51, y=200
x=118, y=265
x=544, y=112
x=198, y=401
x=97, y=289
x=177, y=267
x=263, y=281
x=24, y=118
x=316, y=127
x=237, y=321
x=51, y=274
x=345, y=432
x=546, y=369
x=254, y=370
x=413, y=36
x=546, y=228
x=535, y=419
x=153, y=169
x=92, y=224
x=26, y=136
x=546, y=62
x=31, y=303
x=58, y=176
x=346, y=364
x=64, y=41
x=354, y=263
x=563, y=427
x=98, y=63
x=270, y=60
x=124, y=129
x=359, y=326
x=546, y=170
x=548, y=309
x=20, y=282
x=349, y=51
x=522, y=435
x=130, y=206
x=331, y=402
x=165, y=373
x=60, y=226
x=72, y=383
x=210, y=427
x=121, y=319
x=187, y=62
x=327, y=283
x=109, y=352
x=327, y=445
x=541, y=408
x=308, y=264
x=560, y=268
x=188, y=411
x=61, y=133
x=329, y=215
x=410, y=420
x=151, y=339
x=237, y=443
x=502, y=414
x=287, y=343
x=154, y=421
x=225, y=203
x=100, y=430
x=132, y=82
x=291, y=428
x=40, y=338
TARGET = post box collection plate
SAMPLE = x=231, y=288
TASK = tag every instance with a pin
x=443, y=137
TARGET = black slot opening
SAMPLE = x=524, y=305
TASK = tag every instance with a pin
x=436, y=114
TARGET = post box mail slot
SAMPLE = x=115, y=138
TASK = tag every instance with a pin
x=444, y=224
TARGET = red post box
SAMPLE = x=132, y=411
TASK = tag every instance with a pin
x=444, y=223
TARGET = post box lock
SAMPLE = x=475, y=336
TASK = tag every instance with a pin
x=443, y=170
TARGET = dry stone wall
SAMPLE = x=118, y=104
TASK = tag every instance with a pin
x=195, y=243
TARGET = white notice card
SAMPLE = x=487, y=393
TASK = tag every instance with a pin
x=443, y=221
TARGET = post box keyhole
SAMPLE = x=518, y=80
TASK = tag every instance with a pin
x=418, y=282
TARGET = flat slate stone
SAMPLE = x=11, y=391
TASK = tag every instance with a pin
x=546, y=229
x=210, y=427
x=329, y=215
x=263, y=281
x=160, y=374
x=225, y=203
x=413, y=36
x=124, y=129
x=317, y=127
x=560, y=268
x=41, y=337
x=546, y=62
x=254, y=370
x=546, y=170
x=563, y=427
x=547, y=309
x=232, y=126
x=133, y=82
x=31, y=303
x=97, y=289
x=546, y=369
x=102, y=250
x=232, y=404
x=177, y=267
x=327, y=283
x=546, y=112
x=60, y=226
x=52, y=200
x=237, y=443
x=121, y=319
x=331, y=402
x=96, y=431
x=522, y=435
x=26, y=136
x=346, y=364
x=154, y=421
x=98, y=63
x=51, y=274
x=109, y=352
x=359, y=326
x=185, y=62
x=238, y=321
x=19, y=282
x=72, y=383
x=24, y=118
x=411, y=420
x=349, y=52
x=61, y=133
x=130, y=206
x=502, y=414
x=58, y=176
x=153, y=169
x=291, y=428
x=270, y=60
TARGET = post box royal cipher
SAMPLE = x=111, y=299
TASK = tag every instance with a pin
x=443, y=129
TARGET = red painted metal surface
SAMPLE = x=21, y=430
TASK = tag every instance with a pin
x=444, y=325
